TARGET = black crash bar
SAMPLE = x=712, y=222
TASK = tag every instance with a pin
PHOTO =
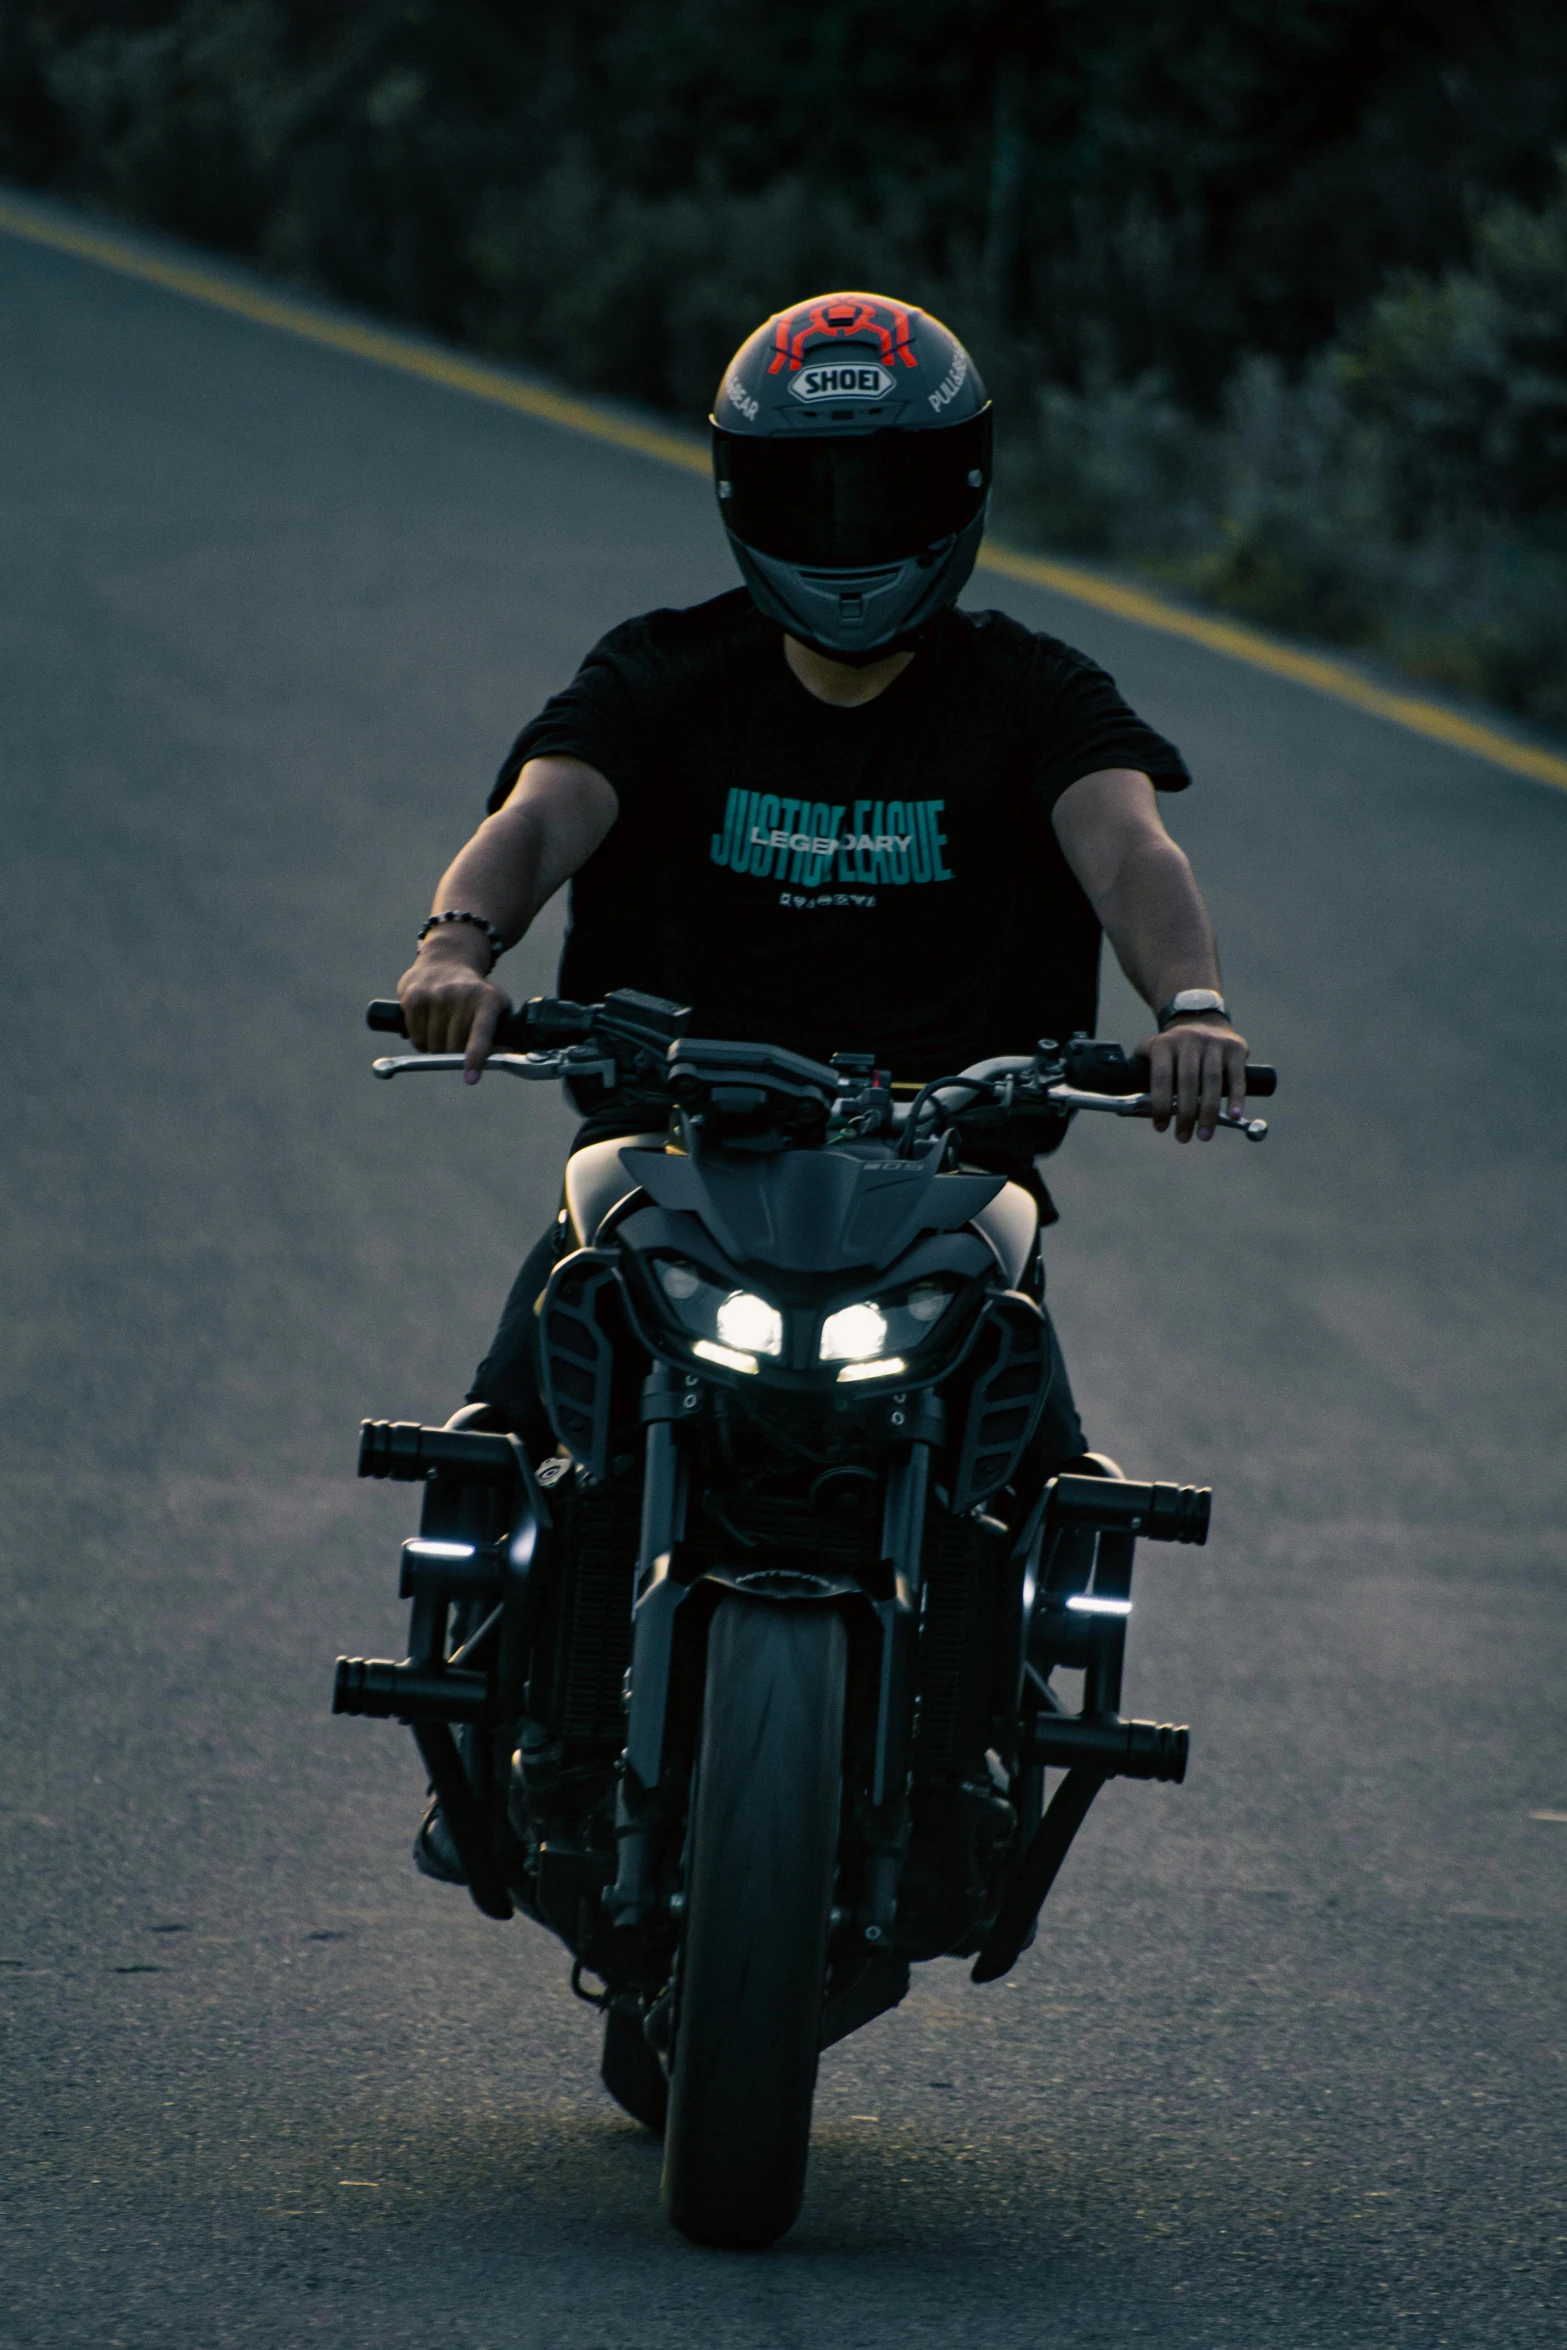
x=1110, y=1505
x=1120, y=1750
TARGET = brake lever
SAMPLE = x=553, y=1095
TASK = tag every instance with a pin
x=535, y=1065
x=1140, y=1105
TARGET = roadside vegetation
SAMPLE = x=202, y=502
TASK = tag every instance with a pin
x=1274, y=297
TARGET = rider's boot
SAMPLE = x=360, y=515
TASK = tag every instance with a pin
x=1090, y=1464
x=629, y=2067
x=435, y=1855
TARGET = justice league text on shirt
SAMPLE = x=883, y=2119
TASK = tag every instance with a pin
x=915, y=828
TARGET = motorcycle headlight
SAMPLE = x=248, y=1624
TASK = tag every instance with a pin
x=871, y=1338
x=750, y=1324
x=728, y=1326
x=854, y=1333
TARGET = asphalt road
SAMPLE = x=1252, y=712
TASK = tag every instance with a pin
x=1285, y=2067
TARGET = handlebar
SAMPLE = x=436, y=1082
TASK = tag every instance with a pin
x=632, y=1034
x=547, y=1022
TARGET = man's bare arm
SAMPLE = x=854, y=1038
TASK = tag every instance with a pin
x=557, y=813
x=1141, y=887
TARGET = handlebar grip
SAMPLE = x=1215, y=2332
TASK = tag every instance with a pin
x=1260, y=1078
x=516, y=1032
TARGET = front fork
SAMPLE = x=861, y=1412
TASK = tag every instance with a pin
x=671, y=1401
x=919, y=1423
x=668, y=1399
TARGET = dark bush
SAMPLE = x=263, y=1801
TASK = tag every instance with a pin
x=1272, y=298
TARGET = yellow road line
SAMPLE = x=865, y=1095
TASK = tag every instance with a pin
x=361, y=342
x=388, y=349
x=1325, y=676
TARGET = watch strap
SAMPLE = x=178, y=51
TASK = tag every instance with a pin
x=1191, y=1002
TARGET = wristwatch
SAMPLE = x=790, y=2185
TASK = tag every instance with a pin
x=1193, y=999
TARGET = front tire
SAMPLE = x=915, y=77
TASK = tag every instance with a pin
x=759, y=1888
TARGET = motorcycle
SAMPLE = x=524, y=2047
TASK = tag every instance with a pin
x=748, y=1690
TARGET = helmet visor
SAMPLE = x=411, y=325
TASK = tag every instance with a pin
x=842, y=504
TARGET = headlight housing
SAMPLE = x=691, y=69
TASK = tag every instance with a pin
x=742, y=1330
x=872, y=1338
x=732, y=1327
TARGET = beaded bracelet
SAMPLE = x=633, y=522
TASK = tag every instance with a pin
x=497, y=943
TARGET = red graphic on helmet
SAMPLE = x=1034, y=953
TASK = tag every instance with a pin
x=836, y=322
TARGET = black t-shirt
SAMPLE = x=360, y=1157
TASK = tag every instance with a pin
x=883, y=879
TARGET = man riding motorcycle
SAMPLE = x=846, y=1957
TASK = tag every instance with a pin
x=828, y=810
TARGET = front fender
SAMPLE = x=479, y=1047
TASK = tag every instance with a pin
x=654, y=1636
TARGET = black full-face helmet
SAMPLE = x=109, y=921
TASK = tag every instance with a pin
x=851, y=450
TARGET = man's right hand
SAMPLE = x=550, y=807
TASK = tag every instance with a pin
x=448, y=1004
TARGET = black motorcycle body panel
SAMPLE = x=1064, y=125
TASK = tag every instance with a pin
x=558, y=1648
x=597, y=1181
x=813, y=1211
x=644, y=1232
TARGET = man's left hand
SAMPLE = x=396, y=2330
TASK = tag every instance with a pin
x=1196, y=1064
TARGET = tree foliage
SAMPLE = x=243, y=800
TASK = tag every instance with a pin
x=1270, y=291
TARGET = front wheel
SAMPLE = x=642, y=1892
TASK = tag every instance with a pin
x=759, y=1884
